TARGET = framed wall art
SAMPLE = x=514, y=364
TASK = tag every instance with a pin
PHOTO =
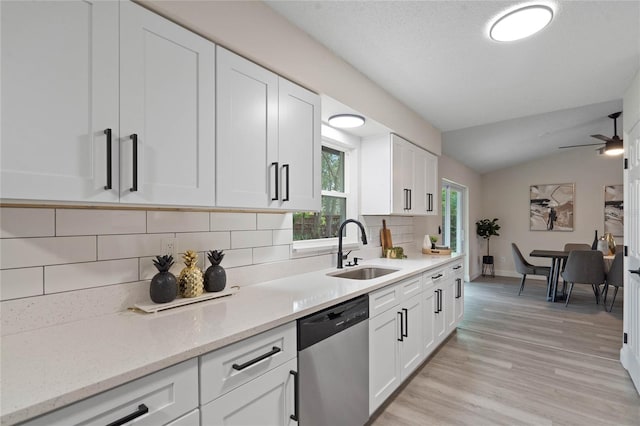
x=613, y=210
x=551, y=207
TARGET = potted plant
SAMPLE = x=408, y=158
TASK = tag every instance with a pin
x=486, y=229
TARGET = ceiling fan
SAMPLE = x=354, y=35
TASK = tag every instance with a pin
x=612, y=146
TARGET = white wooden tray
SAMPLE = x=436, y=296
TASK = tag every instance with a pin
x=182, y=301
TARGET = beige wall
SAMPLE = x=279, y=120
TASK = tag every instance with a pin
x=506, y=196
x=255, y=31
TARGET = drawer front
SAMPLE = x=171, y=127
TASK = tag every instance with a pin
x=383, y=299
x=218, y=375
x=410, y=287
x=434, y=278
x=456, y=269
x=167, y=394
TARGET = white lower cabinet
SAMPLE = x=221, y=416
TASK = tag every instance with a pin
x=428, y=320
x=267, y=400
x=458, y=289
x=395, y=339
x=190, y=419
x=156, y=399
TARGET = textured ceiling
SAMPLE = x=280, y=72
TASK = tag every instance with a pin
x=436, y=58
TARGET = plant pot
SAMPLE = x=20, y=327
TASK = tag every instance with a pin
x=487, y=260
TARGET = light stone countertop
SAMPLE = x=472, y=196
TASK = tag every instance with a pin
x=51, y=367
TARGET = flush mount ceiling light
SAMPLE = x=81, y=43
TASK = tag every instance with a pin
x=346, y=121
x=613, y=147
x=521, y=23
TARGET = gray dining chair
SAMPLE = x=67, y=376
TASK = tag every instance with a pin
x=584, y=267
x=576, y=246
x=615, y=277
x=525, y=268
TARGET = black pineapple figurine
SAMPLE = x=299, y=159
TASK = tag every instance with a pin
x=164, y=286
x=215, y=278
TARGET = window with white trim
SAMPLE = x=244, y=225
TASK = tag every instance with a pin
x=320, y=229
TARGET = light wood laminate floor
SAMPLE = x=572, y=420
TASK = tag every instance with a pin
x=522, y=360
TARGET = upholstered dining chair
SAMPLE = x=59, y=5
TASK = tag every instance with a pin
x=615, y=277
x=525, y=268
x=576, y=246
x=584, y=267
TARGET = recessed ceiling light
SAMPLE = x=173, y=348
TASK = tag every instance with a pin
x=521, y=23
x=346, y=121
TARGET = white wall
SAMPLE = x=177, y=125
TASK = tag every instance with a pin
x=505, y=195
x=252, y=29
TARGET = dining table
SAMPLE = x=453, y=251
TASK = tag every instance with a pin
x=558, y=258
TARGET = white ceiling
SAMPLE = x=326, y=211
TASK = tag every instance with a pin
x=436, y=58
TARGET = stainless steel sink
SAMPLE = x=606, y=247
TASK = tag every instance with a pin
x=363, y=273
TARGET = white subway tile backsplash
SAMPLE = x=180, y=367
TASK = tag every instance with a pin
x=271, y=254
x=25, y=252
x=23, y=282
x=177, y=221
x=239, y=257
x=203, y=241
x=232, y=221
x=124, y=246
x=25, y=222
x=77, y=276
x=282, y=236
x=99, y=222
x=275, y=220
x=245, y=239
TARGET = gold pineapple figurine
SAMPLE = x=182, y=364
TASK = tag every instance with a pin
x=190, y=280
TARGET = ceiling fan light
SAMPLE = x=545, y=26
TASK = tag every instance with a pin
x=346, y=121
x=521, y=23
x=614, y=148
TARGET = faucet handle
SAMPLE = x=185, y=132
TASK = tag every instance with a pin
x=344, y=256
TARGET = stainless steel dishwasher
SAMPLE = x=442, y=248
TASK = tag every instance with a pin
x=333, y=365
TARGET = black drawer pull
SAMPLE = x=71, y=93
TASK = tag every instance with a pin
x=635, y=272
x=294, y=416
x=109, y=159
x=134, y=186
x=274, y=350
x=142, y=410
x=436, y=277
x=455, y=268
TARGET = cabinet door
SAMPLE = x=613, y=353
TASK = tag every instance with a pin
x=167, y=101
x=267, y=400
x=384, y=357
x=459, y=299
x=420, y=197
x=59, y=95
x=440, y=324
x=299, y=147
x=448, y=296
x=247, y=133
x=403, y=164
x=411, y=352
x=428, y=322
x=432, y=183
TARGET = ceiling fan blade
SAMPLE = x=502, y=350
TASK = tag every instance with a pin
x=601, y=137
x=575, y=146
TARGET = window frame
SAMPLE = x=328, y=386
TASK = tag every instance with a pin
x=350, y=145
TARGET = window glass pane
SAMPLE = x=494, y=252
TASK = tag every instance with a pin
x=311, y=226
x=453, y=220
x=332, y=170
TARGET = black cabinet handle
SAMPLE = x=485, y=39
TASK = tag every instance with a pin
x=109, y=159
x=458, y=288
x=437, y=311
x=286, y=167
x=142, y=410
x=439, y=300
x=401, y=328
x=134, y=138
x=296, y=395
x=274, y=350
x=455, y=268
x=635, y=272
x=275, y=168
x=406, y=322
x=436, y=277
x=430, y=198
x=410, y=203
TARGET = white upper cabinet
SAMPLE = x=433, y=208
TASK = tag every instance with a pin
x=397, y=177
x=167, y=111
x=79, y=80
x=59, y=96
x=268, y=138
